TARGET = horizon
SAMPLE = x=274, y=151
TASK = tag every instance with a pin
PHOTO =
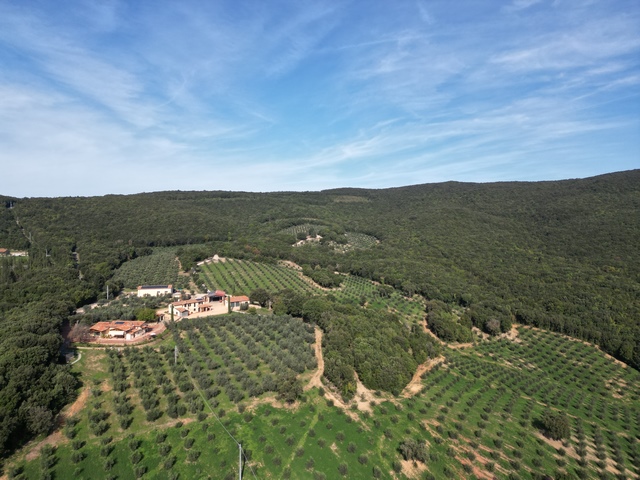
x=122, y=98
x=328, y=190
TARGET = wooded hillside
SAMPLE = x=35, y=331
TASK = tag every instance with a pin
x=559, y=255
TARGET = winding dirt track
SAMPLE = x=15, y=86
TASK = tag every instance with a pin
x=317, y=376
x=415, y=385
x=56, y=437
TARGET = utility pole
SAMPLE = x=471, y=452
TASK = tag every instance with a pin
x=107, y=292
x=239, y=461
x=175, y=355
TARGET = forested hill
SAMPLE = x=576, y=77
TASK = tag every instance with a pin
x=560, y=253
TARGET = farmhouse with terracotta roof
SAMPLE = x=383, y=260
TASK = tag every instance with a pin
x=127, y=329
x=236, y=303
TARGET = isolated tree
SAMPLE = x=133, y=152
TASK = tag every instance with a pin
x=289, y=388
x=492, y=326
x=555, y=424
x=80, y=333
x=412, y=449
x=145, y=314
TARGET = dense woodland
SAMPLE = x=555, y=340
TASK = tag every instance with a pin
x=558, y=255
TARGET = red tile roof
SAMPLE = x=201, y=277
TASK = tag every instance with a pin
x=124, y=325
x=187, y=302
x=241, y=298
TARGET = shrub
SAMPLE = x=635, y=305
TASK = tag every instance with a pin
x=134, y=444
x=310, y=463
x=106, y=450
x=77, y=457
x=136, y=457
x=169, y=462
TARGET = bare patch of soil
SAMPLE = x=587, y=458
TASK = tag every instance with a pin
x=557, y=444
x=76, y=406
x=415, y=385
x=364, y=397
x=512, y=335
x=290, y=264
x=329, y=394
x=411, y=469
x=273, y=401
x=459, y=346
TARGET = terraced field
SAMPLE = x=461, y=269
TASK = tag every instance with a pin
x=303, y=228
x=242, y=277
x=355, y=241
x=159, y=268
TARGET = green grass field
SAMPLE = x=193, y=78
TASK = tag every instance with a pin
x=478, y=413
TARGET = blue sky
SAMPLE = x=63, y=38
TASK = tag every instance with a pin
x=101, y=97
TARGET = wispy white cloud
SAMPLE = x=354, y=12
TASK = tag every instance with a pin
x=77, y=69
x=518, y=5
x=310, y=95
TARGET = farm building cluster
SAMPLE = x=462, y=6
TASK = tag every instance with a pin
x=125, y=329
x=211, y=303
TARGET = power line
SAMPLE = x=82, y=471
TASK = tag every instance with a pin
x=219, y=421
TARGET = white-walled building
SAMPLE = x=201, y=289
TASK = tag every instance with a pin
x=154, y=290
